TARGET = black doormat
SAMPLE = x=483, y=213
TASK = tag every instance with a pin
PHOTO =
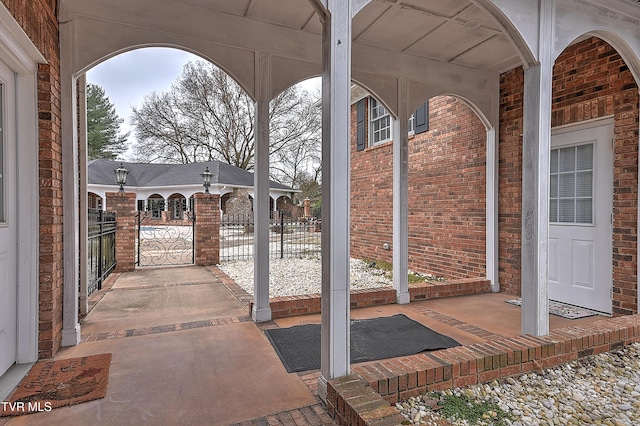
x=387, y=337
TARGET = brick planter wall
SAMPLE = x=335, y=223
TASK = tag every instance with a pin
x=207, y=229
x=446, y=195
x=124, y=205
x=289, y=306
x=590, y=81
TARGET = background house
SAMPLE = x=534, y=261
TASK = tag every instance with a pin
x=167, y=189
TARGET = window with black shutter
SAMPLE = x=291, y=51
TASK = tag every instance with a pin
x=361, y=142
x=421, y=118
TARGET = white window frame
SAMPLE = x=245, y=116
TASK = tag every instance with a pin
x=378, y=113
x=575, y=172
x=179, y=207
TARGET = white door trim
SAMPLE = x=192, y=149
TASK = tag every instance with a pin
x=599, y=123
x=19, y=53
x=583, y=125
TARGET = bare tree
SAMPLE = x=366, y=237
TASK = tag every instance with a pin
x=206, y=116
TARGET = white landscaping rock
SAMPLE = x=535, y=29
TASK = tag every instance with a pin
x=293, y=277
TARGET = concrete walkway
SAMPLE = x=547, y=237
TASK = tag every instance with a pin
x=185, y=351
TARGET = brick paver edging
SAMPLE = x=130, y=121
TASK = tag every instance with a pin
x=167, y=328
x=289, y=306
x=312, y=415
x=366, y=396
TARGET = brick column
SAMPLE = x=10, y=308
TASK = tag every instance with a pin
x=307, y=208
x=207, y=229
x=124, y=205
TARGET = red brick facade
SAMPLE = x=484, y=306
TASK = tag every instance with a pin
x=447, y=175
x=447, y=194
x=207, y=229
x=38, y=20
x=590, y=81
x=124, y=205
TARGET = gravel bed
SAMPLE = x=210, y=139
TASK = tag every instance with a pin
x=599, y=390
x=292, y=277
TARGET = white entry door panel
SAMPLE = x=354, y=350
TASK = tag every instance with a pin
x=580, y=213
x=8, y=222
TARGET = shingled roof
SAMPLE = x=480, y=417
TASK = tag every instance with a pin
x=154, y=175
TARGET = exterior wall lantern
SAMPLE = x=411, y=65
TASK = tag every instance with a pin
x=206, y=179
x=121, y=176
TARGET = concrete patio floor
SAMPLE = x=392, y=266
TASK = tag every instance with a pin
x=186, y=352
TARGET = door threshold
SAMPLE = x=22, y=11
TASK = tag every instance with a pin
x=11, y=379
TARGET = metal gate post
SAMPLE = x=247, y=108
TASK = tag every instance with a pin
x=281, y=235
x=139, y=217
x=100, y=253
x=193, y=237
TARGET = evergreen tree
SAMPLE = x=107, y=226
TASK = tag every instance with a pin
x=103, y=126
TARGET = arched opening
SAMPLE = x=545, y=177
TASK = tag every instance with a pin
x=94, y=201
x=593, y=88
x=156, y=206
x=176, y=206
x=447, y=187
x=283, y=202
x=223, y=202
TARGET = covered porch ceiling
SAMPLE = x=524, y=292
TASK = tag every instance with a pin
x=440, y=47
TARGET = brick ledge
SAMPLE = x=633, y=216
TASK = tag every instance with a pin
x=357, y=399
x=289, y=306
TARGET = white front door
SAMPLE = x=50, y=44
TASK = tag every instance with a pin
x=580, y=217
x=8, y=222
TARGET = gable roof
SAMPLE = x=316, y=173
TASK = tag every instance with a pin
x=101, y=172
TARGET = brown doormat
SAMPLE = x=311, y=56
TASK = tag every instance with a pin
x=52, y=384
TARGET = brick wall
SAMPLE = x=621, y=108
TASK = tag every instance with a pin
x=207, y=229
x=38, y=19
x=124, y=205
x=446, y=194
x=590, y=81
x=510, y=180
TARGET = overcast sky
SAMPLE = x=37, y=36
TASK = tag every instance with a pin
x=128, y=77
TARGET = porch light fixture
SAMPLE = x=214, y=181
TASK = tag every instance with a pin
x=206, y=179
x=121, y=176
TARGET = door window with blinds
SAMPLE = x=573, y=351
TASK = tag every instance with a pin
x=571, y=180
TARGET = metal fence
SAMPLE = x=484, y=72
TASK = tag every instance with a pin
x=162, y=244
x=288, y=237
x=101, y=247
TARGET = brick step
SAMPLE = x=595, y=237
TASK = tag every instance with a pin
x=401, y=378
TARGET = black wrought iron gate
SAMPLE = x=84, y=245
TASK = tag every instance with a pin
x=162, y=243
x=101, y=255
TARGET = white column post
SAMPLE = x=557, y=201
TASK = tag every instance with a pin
x=84, y=230
x=401, y=196
x=492, y=210
x=261, y=309
x=336, y=85
x=70, y=191
x=535, y=182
